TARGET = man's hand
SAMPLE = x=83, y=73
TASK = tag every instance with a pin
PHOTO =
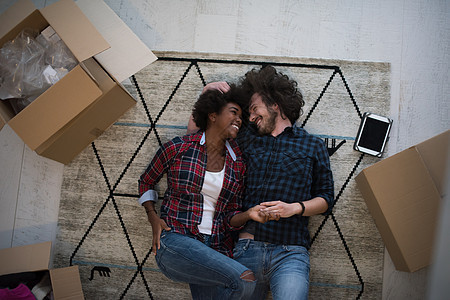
x=219, y=85
x=283, y=209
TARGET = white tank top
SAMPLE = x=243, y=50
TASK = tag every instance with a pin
x=210, y=191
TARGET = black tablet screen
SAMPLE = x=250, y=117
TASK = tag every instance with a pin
x=373, y=134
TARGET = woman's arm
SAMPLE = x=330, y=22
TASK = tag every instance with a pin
x=154, y=172
x=158, y=224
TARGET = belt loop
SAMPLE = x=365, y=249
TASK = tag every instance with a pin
x=247, y=244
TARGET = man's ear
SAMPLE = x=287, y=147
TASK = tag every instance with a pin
x=275, y=107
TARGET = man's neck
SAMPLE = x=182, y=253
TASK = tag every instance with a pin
x=280, y=126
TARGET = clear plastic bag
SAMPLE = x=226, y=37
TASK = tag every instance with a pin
x=22, y=63
x=57, y=54
x=30, y=64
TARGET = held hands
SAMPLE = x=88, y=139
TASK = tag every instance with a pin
x=273, y=211
x=257, y=213
x=281, y=209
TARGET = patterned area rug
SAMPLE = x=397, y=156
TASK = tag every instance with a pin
x=104, y=231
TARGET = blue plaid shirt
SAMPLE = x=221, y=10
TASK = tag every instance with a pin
x=292, y=167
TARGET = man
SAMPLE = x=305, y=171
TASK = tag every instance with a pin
x=288, y=172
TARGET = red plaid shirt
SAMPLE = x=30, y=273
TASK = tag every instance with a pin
x=184, y=161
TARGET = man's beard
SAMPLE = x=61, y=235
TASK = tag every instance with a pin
x=269, y=123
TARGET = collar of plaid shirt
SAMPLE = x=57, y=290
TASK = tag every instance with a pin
x=227, y=144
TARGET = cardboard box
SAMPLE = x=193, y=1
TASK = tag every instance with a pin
x=66, y=283
x=403, y=194
x=71, y=114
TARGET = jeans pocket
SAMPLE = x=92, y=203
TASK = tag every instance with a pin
x=163, y=233
x=296, y=249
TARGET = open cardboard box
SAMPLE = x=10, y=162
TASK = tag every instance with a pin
x=71, y=114
x=66, y=283
x=403, y=194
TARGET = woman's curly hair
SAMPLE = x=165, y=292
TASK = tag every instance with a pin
x=213, y=101
x=275, y=88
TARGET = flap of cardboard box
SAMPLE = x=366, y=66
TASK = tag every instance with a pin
x=25, y=258
x=92, y=121
x=128, y=54
x=14, y=15
x=66, y=283
x=74, y=28
x=57, y=106
x=435, y=153
x=399, y=191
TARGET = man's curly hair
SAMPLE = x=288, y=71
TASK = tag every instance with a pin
x=213, y=101
x=275, y=88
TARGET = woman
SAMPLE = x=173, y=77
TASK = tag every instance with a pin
x=192, y=238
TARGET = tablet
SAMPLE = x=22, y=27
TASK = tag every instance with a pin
x=373, y=134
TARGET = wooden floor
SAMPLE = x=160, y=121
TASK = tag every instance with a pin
x=413, y=36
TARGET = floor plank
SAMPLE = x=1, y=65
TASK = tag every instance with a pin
x=11, y=154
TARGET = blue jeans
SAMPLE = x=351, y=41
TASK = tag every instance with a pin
x=182, y=258
x=283, y=268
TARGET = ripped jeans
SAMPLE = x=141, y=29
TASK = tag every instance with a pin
x=210, y=274
x=284, y=269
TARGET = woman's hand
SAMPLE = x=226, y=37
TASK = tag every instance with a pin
x=158, y=225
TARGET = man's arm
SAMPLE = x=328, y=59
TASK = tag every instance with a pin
x=323, y=184
x=219, y=85
x=312, y=207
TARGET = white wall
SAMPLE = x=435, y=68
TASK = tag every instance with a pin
x=412, y=35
